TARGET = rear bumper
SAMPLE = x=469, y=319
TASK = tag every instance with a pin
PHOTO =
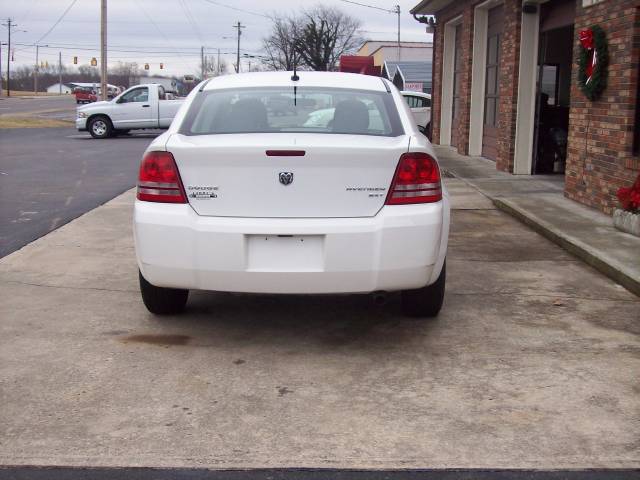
x=403, y=247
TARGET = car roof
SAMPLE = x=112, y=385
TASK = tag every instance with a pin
x=306, y=79
x=417, y=94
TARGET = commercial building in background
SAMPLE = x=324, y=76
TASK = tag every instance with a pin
x=506, y=87
x=383, y=51
x=170, y=84
x=415, y=76
x=68, y=87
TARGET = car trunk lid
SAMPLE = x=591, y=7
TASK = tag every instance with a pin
x=304, y=175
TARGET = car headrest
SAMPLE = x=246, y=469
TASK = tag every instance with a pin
x=351, y=116
x=247, y=115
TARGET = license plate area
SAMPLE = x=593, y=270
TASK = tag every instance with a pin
x=285, y=253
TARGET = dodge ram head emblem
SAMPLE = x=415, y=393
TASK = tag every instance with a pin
x=285, y=177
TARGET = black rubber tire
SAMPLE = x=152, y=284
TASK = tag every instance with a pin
x=162, y=301
x=425, y=302
x=100, y=127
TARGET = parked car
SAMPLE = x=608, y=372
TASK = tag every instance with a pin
x=420, y=105
x=236, y=198
x=139, y=107
x=85, y=95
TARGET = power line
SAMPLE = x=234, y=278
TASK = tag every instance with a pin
x=158, y=29
x=395, y=11
x=127, y=50
x=237, y=9
x=73, y=2
x=143, y=49
x=369, y=6
x=187, y=12
x=28, y=10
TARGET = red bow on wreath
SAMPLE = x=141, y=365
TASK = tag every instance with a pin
x=586, y=39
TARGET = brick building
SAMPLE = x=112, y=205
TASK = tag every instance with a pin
x=505, y=88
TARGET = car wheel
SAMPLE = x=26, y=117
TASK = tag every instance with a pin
x=100, y=127
x=425, y=301
x=162, y=301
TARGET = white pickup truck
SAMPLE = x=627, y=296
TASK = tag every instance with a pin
x=139, y=107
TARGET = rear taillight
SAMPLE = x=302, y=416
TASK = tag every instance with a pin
x=417, y=180
x=159, y=180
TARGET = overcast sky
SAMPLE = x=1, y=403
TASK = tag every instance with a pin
x=154, y=30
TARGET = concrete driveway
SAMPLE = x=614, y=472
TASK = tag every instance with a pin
x=533, y=363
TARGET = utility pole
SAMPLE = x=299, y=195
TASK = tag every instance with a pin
x=103, y=49
x=397, y=10
x=35, y=72
x=60, y=73
x=239, y=26
x=0, y=69
x=203, y=69
x=9, y=26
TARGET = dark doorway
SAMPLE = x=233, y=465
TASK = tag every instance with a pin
x=555, y=59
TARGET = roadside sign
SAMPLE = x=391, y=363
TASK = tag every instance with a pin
x=414, y=86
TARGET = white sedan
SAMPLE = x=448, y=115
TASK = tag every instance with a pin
x=420, y=105
x=236, y=198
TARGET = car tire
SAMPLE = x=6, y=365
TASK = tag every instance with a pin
x=100, y=127
x=162, y=301
x=427, y=301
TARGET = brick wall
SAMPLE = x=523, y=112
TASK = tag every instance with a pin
x=509, y=64
x=600, y=155
x=510, y=57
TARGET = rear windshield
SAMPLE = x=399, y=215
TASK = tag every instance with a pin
x=280, y=109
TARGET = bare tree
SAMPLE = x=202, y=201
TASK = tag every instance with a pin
x=279, y=46
x=212, y=68
x=326, y=33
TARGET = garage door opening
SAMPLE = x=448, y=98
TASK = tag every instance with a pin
x=555, y=59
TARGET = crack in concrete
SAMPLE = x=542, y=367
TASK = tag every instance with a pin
x=17, y=282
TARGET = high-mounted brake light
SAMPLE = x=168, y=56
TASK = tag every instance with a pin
x=417, y=180
x=159, y=180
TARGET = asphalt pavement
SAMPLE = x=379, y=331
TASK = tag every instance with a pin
x=22, y=105
x=49, y=176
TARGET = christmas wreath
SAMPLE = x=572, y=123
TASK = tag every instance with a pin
x=594, y=59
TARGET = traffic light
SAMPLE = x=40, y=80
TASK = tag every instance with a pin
x=75, y=60
x=94, y=62
x=146, y=66
x=161, y=66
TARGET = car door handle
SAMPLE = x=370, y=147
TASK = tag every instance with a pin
x=144, y=106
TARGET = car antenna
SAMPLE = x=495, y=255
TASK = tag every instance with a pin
x=295, y=77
